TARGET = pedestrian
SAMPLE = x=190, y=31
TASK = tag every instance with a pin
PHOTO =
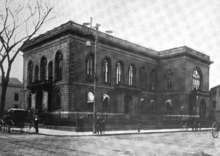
x=103, y=125
x=36, y=120
x=99, y=125
x=81, y=123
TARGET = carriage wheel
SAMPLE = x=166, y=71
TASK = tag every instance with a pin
x=215, y=131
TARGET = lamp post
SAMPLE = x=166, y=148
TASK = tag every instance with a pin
x=95, y=70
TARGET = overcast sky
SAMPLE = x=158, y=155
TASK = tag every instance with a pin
x=155, y=24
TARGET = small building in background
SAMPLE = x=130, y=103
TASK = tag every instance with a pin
x=13, y=99
x=214, y=102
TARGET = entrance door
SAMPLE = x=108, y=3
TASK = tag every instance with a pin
x=39, y=101
x=127, y=104
x=202, y=110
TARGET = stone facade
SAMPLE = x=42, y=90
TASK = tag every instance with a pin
x=159, y=82
x=13, y=95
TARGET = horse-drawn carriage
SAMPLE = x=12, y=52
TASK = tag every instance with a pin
x=19, y=119
x=216, y=129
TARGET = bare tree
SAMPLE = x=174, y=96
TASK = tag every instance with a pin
x=19, y=23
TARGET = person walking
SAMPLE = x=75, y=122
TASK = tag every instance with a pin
x=81, y=123
x=103, y=125
x=99, y=125
x=36, y=120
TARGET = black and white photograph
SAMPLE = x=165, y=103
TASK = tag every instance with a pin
x=109, y=78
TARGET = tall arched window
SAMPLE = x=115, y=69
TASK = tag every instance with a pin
x=106, y=70
x=43, y=66
x=152, y=105
x=197, y=80
x=131, y=75
x=36, y=70
x=90, y=100
x=142, y=104
x=58, y=66
x=169, y=79
x=142, y=78
x=168, y=104
x=90, y=68
x=50, y=70
x=57, y=100
x=106, y=101
x=119, y=72
x=29, y=99
x=30, y=73
x=152, y=79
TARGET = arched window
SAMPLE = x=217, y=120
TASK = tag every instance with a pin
x=30, y=73
x=142, y=104
x=168, y=104
x=169, y=80
x=142, y=78
x=90, y=100
x=106, y=70
x=106, y=101
x=197, y=80
x=50, y=70
x=90, y=68
x=43, y=65
x=29, y=99
x=58, y=66
x=152, y=105
x=57, y=100
x=131, y=75
x=119, y=72
x=36, y=73
x=152, y=79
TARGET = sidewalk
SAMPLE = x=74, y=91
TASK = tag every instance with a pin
x=53, y=132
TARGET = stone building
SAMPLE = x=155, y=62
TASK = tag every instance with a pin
x=13, y=95
x=131, y=79
x=214, y=102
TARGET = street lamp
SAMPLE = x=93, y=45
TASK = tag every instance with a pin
x=95, y=69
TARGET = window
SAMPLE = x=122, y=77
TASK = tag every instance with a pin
x=169, y=77
x=152, y=79
x=214, y=104
x=50, y=70
x=106, y=101
x=90, y=100
x=142, y=78
x=58, y=66
x=43, y=65
x=30, y=73
x=90, y=68
x=36, y=73
x=106, y=70
x=142, y=104
x=214, y=93
x=29, y=101
x=119, y=69
x=131, y=75
x=57, y=100
x=152, y=105
x=16, y=97
x=197, y=80
x=168, y=105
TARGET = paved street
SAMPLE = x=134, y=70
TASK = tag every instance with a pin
x=154, y=144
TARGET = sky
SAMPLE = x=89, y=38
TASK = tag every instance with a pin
x=154, y=24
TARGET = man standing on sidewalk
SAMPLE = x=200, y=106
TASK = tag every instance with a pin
x=36, y=120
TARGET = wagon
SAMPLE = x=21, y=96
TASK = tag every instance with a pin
x=216, y=129
x=17, y=119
